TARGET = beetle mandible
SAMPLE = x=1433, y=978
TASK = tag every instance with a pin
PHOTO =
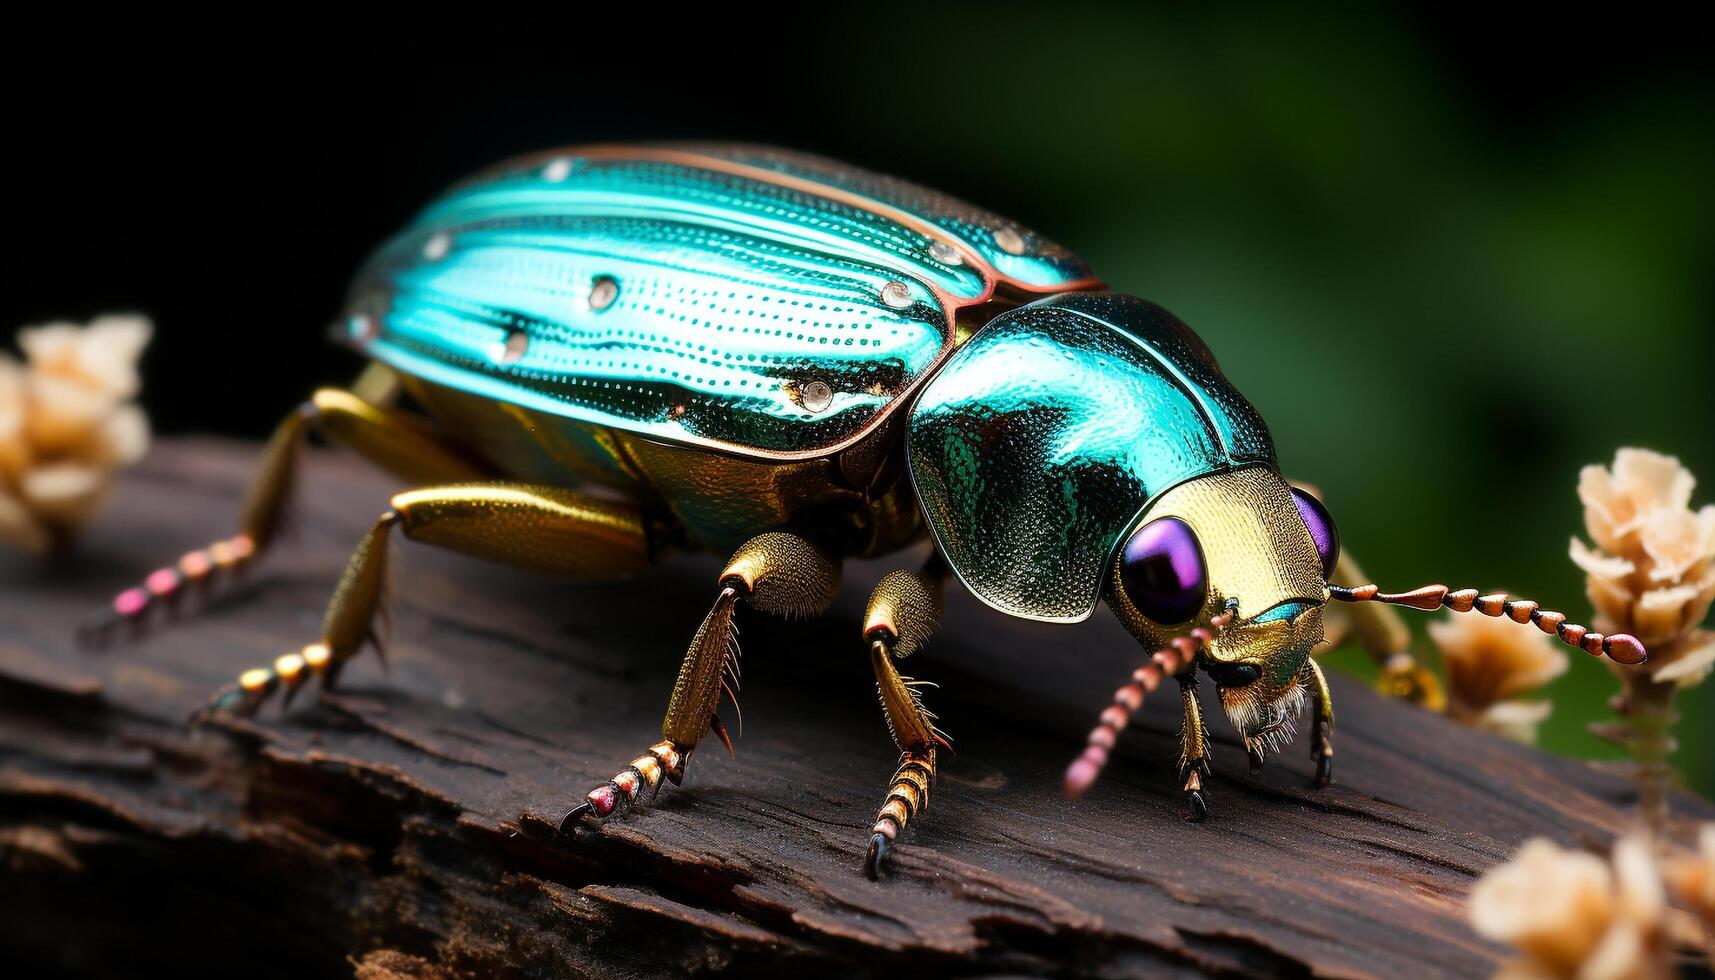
x=792, y=361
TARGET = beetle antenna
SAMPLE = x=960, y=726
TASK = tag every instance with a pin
x=1620, y=647
x=1163, y=663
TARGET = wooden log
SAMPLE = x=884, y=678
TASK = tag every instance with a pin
x=403, y=826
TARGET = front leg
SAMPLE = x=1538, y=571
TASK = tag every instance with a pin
x=1194, y=746
x=775, y=573
x=1322, y=732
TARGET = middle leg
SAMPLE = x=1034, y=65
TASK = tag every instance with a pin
x=776, y=572
x=903, y=613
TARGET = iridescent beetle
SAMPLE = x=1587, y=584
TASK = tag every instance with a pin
x=794, y=362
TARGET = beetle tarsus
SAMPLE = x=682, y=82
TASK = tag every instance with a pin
x=1322, y=753
x=1322, y=735
x=874, y=861
x=570, y=820
x=1199, y=806
x=1253, y=752
x=230, y=700
x=1194, y=791
x=663, y=761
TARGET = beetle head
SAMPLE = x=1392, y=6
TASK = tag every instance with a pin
x=1242, y=549
x=1229, y=573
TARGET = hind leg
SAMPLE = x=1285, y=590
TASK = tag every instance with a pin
x=776, y=573
x=393, y=440
x=542, y=529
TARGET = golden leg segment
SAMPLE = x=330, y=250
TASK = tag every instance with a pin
x=902, y=615
x=776, y=573
x=392, y=440
x=541, y=529
x=1194, y=747
x=1322, y=730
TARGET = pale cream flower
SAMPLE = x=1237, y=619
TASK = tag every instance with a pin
x=1616, y=501
x=1692, y=879
x=1489, y=664
x=1517, y=720
x=67, y=424
x=14, y=450
x=1694, y=659
x=1575, y=915
x=102, y=356
x=1652, y=572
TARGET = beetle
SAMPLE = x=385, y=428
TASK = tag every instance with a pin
x=618, y=352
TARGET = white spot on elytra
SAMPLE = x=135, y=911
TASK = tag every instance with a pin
x=896, y=294
x=557, y=170
x=817, y=396
x=508, y=352
x=603, y=291
x=437, y=247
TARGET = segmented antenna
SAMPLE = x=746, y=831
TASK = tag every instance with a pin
x=1163, y=663
x=1620, y=647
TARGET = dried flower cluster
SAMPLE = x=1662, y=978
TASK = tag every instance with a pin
x=1491, y=662
x=1692, y=881
x=1652, y=570
x=1574, y=915
x=67, y=424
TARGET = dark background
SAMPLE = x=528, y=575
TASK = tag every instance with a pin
x=1451, y=257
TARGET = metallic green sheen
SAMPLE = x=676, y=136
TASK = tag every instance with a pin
x=1039, y=444
x=734, y=296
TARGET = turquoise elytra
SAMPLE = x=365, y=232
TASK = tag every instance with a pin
x=1044, y=438
x=741, y=278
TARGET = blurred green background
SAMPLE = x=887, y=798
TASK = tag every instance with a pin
x=1451, y=257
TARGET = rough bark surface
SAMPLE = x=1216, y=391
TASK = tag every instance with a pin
x=403, y=826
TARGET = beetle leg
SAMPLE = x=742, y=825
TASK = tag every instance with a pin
x=902, y=615
x=542, y=529
x=1194, y=747
x=776, y=573
x=394, y=441
x=1322, y=731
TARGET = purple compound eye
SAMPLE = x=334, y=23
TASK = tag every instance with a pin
x=1323, y=533
x=1162, y=571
